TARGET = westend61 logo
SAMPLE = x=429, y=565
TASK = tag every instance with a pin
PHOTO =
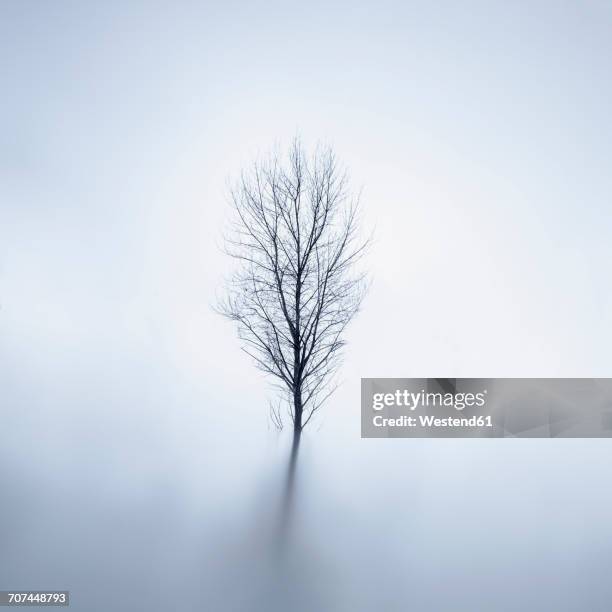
x=411, y=400
x=486, y=407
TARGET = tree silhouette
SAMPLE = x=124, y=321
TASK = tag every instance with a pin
x=294, y=234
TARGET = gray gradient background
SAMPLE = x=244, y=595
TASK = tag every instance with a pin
x=135, y=450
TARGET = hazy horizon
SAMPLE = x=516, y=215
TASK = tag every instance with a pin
x=136, y=432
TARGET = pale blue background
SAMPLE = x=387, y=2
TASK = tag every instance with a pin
x=133, y=430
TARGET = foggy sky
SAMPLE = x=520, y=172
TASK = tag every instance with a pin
x=479, y=133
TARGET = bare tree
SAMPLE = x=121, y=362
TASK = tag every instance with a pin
x=295, y=236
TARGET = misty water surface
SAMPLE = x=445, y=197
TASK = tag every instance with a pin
x=165, y=499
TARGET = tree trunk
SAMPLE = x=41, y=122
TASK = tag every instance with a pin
x=297, y=411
